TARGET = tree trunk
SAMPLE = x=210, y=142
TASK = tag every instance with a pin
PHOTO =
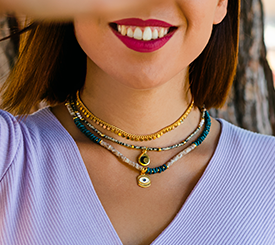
x=251, y=103
x=8, y=48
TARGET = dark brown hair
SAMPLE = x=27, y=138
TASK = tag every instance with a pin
x=51, y=66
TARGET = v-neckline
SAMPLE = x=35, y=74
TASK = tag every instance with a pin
x=87, y=181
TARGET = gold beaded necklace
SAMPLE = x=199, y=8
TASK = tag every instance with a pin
x=134, y=137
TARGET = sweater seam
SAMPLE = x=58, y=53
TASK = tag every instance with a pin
x=8, y=168
x=11, y=163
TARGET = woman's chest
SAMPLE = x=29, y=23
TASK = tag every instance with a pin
x=139, y=215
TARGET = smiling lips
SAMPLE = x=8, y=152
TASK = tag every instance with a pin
x=143, y=36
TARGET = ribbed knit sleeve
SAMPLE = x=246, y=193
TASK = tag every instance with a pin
x=10, y=139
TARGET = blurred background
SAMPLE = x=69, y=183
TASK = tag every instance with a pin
x=269, y=8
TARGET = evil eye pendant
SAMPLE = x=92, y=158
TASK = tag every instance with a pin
x=143, y=181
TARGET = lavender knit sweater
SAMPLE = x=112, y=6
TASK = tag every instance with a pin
x=47, y=197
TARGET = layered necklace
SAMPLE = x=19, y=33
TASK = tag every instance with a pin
x=143, y=180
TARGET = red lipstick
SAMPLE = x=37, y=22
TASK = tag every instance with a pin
x=141, y=45
x=140, y=22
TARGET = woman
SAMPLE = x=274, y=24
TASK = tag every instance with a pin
x=67, y=175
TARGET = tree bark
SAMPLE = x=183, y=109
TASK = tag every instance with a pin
x=251, y=103
x=8, y=48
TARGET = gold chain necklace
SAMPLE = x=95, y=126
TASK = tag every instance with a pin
x=89, y=115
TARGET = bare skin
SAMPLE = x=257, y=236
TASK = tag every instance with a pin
x=63, y=9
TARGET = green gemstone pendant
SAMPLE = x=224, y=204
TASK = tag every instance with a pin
x=144, y=159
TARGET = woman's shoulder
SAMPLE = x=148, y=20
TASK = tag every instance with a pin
x=12, y=128
x=240, y=135
x=246, y=147
x=10, y=138
x=25, y=138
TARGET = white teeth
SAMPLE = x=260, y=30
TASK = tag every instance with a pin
x=138, y=33
x=155, y=34
x=130, y=32
x=161, y=33
x=147, y=34
x=123, y=30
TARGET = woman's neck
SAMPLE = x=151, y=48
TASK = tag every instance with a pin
x=141, y=111
x=133, y=109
